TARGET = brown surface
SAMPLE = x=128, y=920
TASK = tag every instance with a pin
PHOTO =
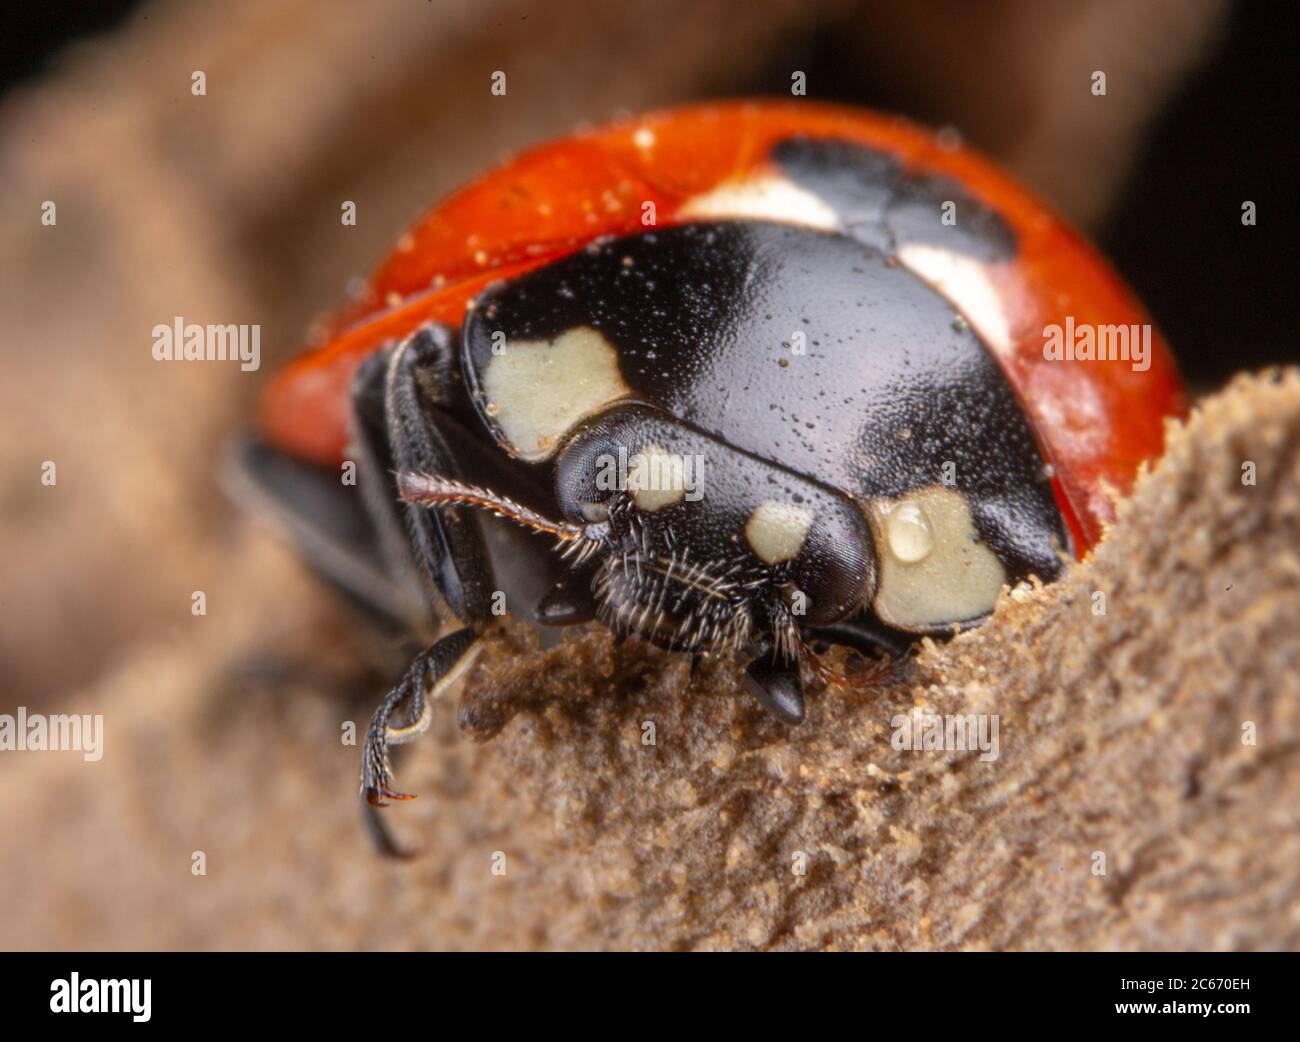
x=1120, y=733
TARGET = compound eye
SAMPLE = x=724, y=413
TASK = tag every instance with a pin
x=581, y=487
x=652, y=478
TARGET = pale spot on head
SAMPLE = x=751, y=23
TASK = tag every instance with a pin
x=763, y=197
x=776, y=531
x=656, y=478
x=933, y=570
x=536, y=390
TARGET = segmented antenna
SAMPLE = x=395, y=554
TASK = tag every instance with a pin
x=432, y=490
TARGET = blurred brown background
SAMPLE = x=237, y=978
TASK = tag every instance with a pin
x=225, y=208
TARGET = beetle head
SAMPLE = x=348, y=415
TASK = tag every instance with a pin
x=706, y=545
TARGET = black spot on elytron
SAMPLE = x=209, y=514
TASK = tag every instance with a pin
x=882, y=205
x=707, y=320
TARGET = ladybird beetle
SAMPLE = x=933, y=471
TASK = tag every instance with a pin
x=765, y=376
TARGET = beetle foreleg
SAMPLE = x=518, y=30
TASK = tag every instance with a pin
x=448, y=544
x=434, y=670
x=400, y=426
x=777, y=685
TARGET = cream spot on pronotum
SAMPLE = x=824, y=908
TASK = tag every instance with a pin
x=536, y=390
x=933, y=569
x=763, y=197
x=776, y=531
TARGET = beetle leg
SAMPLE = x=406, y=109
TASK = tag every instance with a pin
x=569, y=601
x=399, y=425
x=863, y=634
x=434, y=670
x=369, y=447
x=777, y=685
x=448, y=543
x=332, y=528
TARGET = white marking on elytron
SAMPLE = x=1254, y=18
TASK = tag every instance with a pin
x=398, y=735
x=537, y=390
x=966, y=283
x=933, y=568
x=643, y=138
x=763, y=197
x=776, y=531
x=656, y=478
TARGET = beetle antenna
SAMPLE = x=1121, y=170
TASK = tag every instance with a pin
x=431, y=490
